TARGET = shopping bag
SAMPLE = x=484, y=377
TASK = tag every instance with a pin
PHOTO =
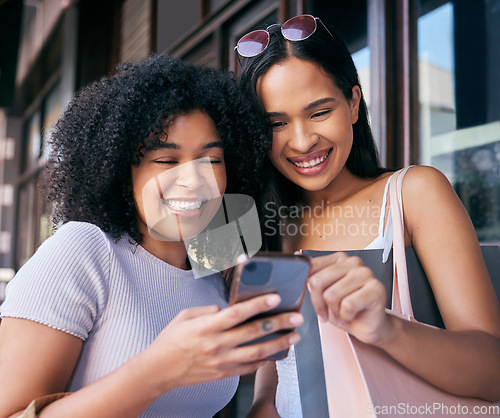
x=342, y=377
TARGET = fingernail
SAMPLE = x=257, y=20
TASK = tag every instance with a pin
x=296, y=319
x=294, y=339
x=273, y=300
x=322, y=318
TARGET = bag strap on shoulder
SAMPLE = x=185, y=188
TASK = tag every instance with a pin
x=401, y=302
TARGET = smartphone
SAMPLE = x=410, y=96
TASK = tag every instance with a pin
x=265, y=273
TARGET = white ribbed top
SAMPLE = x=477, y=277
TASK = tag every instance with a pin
x=287, y=392
x=117, y=298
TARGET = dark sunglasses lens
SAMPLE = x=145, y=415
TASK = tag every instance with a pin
x=253, y=43
x=299, y=27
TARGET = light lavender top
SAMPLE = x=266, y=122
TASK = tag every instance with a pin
x=117, y=298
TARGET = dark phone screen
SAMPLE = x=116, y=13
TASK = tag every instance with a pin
x=284, y=275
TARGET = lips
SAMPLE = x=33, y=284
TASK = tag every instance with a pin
x=312, y=163
x=185, y=207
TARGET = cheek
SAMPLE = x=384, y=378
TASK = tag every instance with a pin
x=136, y=188
x=344, y=123
x=275, y=160
x=164, y=180
x=276, y=150
x=221, y=179
x=222, y=185
x=147, y=191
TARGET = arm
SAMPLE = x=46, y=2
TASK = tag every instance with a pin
x=441, y=232
x=266, y=381
x=200, y=344
x=445, y=241
x=35, y=360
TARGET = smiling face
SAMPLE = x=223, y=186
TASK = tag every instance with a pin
x=311, y=121
x=179, y=183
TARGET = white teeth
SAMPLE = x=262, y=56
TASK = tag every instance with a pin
x=312, y=163
x=184, y=205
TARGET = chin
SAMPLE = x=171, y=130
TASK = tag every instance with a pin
x=312, y=185
x=316, y=188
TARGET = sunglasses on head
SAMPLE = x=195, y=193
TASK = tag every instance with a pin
x=295, y=29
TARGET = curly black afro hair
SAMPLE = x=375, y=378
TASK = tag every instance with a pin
x=95, y=142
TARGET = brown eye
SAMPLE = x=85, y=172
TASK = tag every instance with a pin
x=211, y=160
x=320, y=114
x=276, y=125
x=166, y=162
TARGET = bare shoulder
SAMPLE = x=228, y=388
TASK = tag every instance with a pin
x=429, y=199
x=426, y=188
x=422, y=179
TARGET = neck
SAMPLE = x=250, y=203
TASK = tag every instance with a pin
x=341, y=188
x=171, y=252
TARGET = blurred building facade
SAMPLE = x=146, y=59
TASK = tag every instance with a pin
x=430, y=70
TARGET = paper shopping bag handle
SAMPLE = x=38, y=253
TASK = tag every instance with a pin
x=401, y=302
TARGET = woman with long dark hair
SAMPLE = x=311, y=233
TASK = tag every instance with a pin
x=327, y=191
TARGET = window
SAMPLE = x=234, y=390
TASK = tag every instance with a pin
x=26, y=227
x=33, y=142
x=459, y=91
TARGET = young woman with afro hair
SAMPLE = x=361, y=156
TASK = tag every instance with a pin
x=108, y=310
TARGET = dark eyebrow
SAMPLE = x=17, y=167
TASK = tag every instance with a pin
x=275, y=114
x=310, y=106
x=215, y=144
x=162, y=145
x=172, y=145
x=319, y=102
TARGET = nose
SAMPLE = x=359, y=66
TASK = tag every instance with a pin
x=302, y=139
x=189, y=175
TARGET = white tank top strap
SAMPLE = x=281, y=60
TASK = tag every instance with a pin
x=384, y=239
x=381, y=221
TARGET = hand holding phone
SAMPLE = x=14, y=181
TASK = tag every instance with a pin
x=265, y=273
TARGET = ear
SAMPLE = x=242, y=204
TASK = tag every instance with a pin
x=354, y=103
